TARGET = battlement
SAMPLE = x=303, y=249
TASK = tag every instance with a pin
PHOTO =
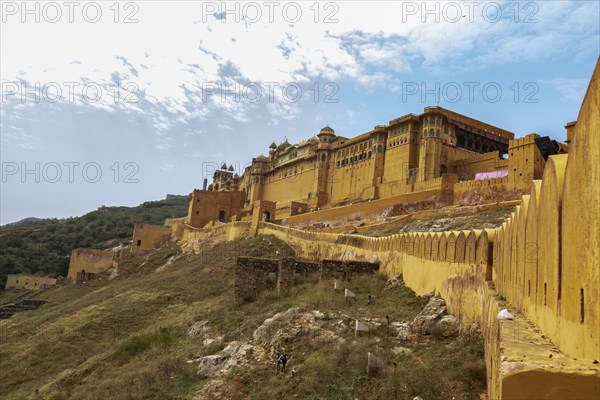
x=527, y=140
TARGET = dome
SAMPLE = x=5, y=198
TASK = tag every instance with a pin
x=327, y=131
x=283, y=145
x=273, y=145
x=224, y=166
x=230, y=168
x=261, y=158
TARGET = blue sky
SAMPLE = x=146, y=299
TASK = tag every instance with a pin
x=79, y=145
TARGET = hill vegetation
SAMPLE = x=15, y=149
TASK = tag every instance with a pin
x=44, y=246
x=167, y=328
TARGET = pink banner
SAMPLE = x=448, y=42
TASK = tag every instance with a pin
x=490, y=175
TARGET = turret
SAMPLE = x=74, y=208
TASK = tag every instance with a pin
x=326, y=135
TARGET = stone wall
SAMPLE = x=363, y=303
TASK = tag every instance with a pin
x=251, y=275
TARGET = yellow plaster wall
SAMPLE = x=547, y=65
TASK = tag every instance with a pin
x=91, y=261
x=147, y=237
x=294, y=184
x=549, y=249
x=581, y=233
x=29, y=282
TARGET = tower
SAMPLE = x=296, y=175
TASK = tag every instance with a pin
x=257, y=170
x=430, y=153
x=319, y=191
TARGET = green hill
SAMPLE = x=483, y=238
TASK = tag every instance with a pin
x=43, y=246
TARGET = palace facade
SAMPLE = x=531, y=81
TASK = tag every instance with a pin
x=439, y=152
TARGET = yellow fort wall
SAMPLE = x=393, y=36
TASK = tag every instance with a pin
x=147, y=237
x=90, y=261
x=580, y=245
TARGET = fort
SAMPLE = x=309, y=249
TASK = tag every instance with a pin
x=541, y=263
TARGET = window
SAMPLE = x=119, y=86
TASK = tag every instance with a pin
x=139, y=242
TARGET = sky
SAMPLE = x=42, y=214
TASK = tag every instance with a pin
x=111, y=103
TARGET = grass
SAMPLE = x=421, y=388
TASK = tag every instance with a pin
x=127, y=338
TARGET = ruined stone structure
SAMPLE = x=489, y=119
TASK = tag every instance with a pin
x=542, y=263
x=85, y=264
x=147, y=237
x=439, y=154
x=29, y=282
x=252, y=275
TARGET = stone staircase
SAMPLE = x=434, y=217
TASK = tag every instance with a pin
x=20, y=303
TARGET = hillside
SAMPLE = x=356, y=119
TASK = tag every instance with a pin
x=166, y=328
x=43, y=246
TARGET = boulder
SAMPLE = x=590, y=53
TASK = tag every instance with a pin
x=434, y=319
x=448, y=326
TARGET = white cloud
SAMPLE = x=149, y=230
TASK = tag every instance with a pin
x=571, y=90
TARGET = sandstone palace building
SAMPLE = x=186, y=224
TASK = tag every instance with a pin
x=439, y=155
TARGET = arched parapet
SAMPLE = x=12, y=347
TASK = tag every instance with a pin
x=507, y=247
x=460, y=247
x=411, y=244
x=428, y=251
x=550, y=273
x=484, y=248
x=442, y=246
x=388, y=243
x=417, y=251
x=531, y=255
x=397, y=242
x=520, y=245
x=471, y=245
x=580, y=239
x=403, y=241
x=435, y=245
x=451, y=246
